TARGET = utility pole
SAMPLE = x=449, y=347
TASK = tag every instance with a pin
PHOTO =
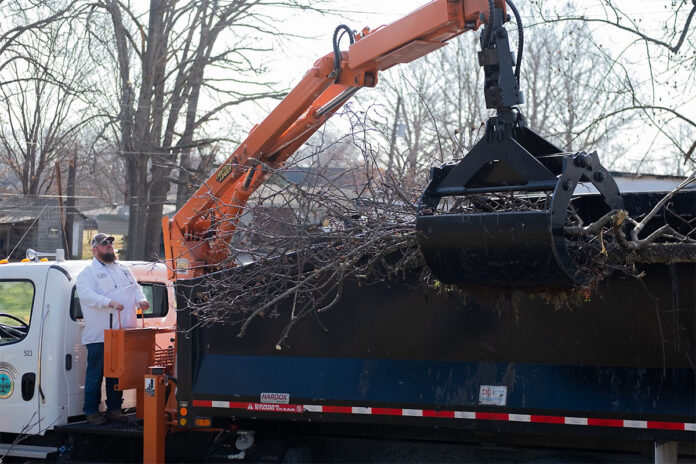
x=60, y=209
x=70, y=207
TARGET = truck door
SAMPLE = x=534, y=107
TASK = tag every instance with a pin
x=21, y=303
x=75, y=357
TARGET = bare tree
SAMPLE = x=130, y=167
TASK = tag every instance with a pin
x=101, y=171
x=21, y=17
x=442, y=110
x=168, y=60
x=567, y=85
x=43, y=90
x=655, y=68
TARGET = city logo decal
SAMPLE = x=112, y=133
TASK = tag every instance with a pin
x=8, y=374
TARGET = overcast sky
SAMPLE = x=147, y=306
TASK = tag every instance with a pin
x=301, y=53
x=295, y=55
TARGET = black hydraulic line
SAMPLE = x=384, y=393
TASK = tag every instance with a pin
x=489, y=22
x=520, y=38
x=336, y=49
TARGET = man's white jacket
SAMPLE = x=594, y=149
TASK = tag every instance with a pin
x=97, y=285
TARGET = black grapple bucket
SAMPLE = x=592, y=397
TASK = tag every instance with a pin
x=497, y=217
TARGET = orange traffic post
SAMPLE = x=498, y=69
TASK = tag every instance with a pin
x=154, y=425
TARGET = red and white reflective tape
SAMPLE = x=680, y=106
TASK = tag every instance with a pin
x=471, y=415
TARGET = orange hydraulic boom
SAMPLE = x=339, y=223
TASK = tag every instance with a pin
x=196, y=238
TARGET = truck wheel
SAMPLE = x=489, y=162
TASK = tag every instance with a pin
x=296, y=454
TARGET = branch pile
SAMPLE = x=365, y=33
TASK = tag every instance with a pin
x=301, y=243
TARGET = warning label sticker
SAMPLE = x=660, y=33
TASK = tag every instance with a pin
x=495, y=395
x=271, y=407
x=149, y=386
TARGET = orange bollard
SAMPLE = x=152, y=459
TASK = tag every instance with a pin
x=154, y=425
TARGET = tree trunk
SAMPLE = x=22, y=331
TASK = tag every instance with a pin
x=183, y=189
x=136, y=208
x=157, y=198
x=392, y=142
x=139, y=235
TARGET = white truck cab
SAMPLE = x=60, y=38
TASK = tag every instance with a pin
x=42, y=360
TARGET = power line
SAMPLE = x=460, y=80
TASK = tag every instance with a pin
x=19, y=195
x=25, y=234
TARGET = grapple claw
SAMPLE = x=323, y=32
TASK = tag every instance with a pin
x=497, y=217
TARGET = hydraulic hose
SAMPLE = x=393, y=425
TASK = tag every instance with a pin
x=336, y=42
x=489, y=22
x=520, y=39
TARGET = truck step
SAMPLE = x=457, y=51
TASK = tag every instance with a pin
x=26, y=451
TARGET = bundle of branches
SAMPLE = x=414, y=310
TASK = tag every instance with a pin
x=301, y=242
x=617, y=241
x=310, y=231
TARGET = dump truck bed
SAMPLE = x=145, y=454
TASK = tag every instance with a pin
x=619, y=363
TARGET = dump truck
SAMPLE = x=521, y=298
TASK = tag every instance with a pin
x=397, y=361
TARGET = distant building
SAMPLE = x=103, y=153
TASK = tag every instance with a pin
x=631, y=182
x=30, y=222
x=113, y=220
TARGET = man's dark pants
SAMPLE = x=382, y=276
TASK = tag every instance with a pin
x=93, y=381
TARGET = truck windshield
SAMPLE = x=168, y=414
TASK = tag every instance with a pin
x=155, y=293
x=16, y=299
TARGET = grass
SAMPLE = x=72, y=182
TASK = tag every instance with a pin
x=16, y=299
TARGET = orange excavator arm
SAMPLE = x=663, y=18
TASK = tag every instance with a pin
x=196, y=238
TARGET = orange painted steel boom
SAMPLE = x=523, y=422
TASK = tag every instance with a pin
x=196, y=239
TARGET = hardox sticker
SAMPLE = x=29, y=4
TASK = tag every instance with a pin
x=276, y=398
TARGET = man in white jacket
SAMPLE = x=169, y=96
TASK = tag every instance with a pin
x=109, y=295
